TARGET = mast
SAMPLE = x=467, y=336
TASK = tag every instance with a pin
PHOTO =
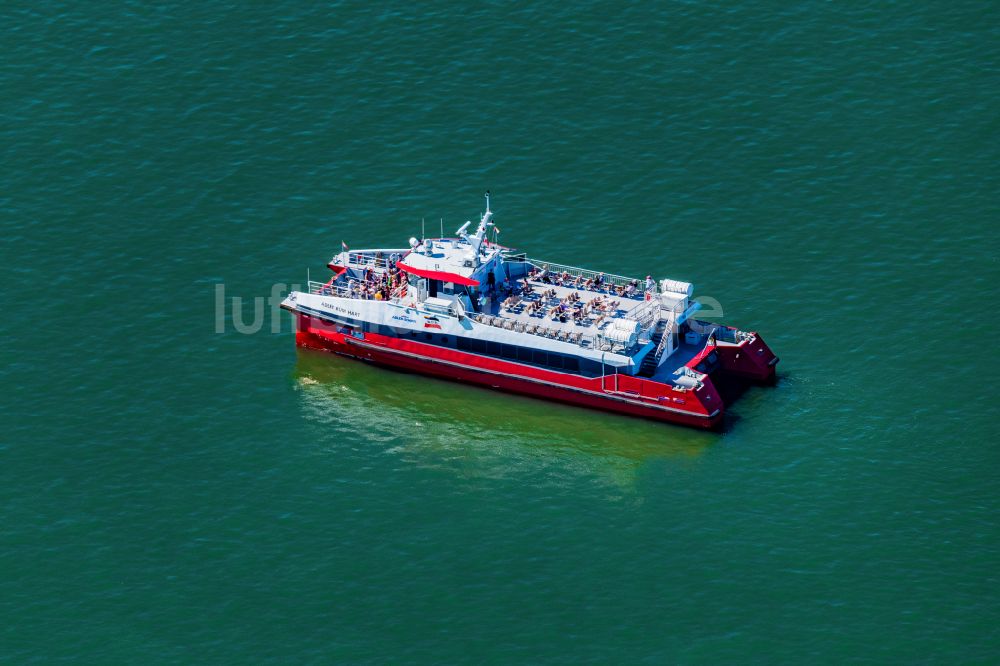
x=476, y=240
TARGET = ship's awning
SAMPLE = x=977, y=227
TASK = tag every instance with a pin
x=438, y=275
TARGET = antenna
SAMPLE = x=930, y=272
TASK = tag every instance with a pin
x=442, y=227
x=487, y=201
x=421, y=228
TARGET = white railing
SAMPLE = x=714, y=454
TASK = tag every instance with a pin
x=342, y=289
x=366, y=258
x=574, y=271
x=722, y=333
x=667, y=339
x=337, y=288
x=401, y=291
x=647, y=314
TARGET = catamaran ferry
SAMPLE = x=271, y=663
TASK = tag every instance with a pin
x=471, y=310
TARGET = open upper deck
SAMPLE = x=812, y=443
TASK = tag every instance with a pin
x=575, y=315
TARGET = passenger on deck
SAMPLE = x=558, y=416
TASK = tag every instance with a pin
x=630, y=289
x=599, y=280
x=544, y=275
x=650, y=284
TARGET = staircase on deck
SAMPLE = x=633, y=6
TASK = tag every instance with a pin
x=662, y=335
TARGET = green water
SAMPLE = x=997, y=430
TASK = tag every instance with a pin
x=170, y=494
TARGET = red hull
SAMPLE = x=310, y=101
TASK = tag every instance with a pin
x=623, y=394
x=752, y=360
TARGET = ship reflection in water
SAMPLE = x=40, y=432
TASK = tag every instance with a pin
x=478, y=432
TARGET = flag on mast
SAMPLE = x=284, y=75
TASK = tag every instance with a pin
x=343, y=246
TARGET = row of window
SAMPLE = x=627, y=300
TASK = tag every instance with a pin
x=540, y=357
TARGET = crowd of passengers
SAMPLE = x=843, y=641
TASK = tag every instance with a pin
x=597, y=283
x=374, y=285
x=569, y=308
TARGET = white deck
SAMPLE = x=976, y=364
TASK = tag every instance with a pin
x=588, y=326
